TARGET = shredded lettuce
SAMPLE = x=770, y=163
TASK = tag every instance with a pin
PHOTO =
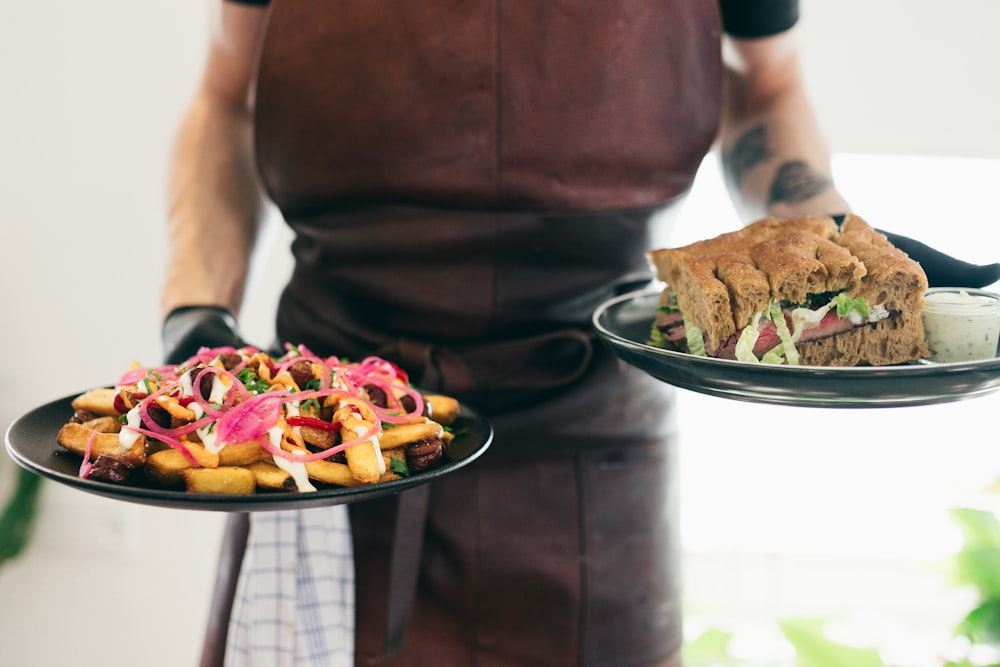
x=695, y=339
x=847, y=307
x=669, y=308
x=782, y=353
x=844, y=304
x=775, y=314
x=804, y=318
x=774, y=356
x=656, y=337
x=747, y=340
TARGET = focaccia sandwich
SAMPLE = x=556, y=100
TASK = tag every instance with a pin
x=805, y=291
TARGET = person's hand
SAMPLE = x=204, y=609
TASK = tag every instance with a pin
x=942, y=270
x=189, y=328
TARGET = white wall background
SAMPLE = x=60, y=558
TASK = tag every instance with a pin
x=90, y=94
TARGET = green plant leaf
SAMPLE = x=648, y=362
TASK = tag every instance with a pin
x=979, y=567
x=18, y=516
x=982, y=624
x=710, y=647
x=980, y=528
x=978, y=562
x=814, y=649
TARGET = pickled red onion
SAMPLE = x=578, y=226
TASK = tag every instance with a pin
x=168, y=440
x=86, y=466
x=312, y=422
x=250, y=419
x=316, y=456
x=245, y=416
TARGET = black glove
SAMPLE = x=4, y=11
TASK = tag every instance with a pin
x=942, y=270
x=189, y=328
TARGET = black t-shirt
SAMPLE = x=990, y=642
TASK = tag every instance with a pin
x=740, y=18
x=758, y=18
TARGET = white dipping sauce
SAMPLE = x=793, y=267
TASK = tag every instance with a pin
x=961, y=324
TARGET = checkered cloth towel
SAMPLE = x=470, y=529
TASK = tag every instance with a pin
x=294, y=603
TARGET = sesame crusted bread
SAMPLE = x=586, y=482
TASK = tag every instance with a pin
x=723, y=284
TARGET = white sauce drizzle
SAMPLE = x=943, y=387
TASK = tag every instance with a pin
x=375, y=446
x=127, y=436
x=296, y=469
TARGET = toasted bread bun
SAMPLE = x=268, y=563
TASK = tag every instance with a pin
x=722, y=282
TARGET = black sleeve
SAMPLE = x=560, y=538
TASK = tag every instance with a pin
x=758, y=18
x=740, y=18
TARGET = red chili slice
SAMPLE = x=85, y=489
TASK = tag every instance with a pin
x=134, y=396
x=312, y=422
x=400, y=373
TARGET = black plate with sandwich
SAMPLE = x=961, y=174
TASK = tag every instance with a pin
x=849, y=336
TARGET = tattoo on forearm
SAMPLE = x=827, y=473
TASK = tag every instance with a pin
x=749, y=150
x=795, y=182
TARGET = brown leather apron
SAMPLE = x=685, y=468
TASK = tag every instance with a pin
x=466, y=181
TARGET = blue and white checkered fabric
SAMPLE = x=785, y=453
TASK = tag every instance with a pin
x=294, y=603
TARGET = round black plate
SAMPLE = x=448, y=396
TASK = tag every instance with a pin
x=31, y=442
x=623, y=323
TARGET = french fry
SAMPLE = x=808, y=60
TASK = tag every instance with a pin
x=245, y=467
x=270, y=476
x=75, y=437
x=365, y=458
x=203, y=457
x=99, y=401
x=331, y=472
x=104, y=424
x=443, y=409
x=222, y=480
x=403, y=434
x=176, y=410
x=241, y=454
x=165, y=466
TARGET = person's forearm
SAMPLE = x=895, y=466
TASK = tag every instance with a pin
x=774, y=157
x=215, y=208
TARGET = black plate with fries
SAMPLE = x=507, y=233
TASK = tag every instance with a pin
x=31, y=442
x=624, y=324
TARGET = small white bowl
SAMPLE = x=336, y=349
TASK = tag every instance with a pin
x=961, y=323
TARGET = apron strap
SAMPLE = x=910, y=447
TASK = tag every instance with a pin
x=404, y=566
x=234, y=544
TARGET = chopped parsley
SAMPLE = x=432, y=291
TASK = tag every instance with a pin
x=252, y=381
x=399, y=467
